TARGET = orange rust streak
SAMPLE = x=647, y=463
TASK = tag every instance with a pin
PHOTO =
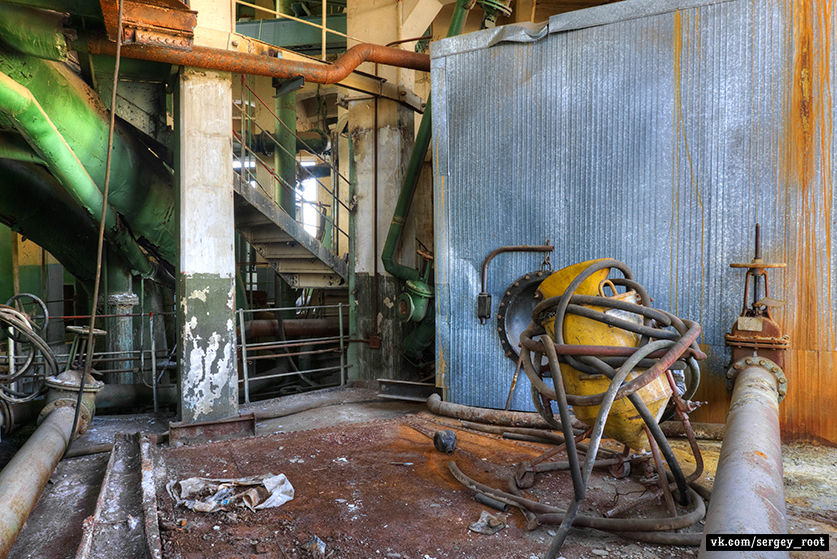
x=807, y=175
x=807, y=412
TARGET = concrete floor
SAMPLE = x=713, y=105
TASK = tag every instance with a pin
x=352, y=458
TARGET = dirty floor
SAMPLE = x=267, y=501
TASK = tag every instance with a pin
x=369, y=483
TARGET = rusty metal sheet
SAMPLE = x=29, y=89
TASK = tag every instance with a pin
x=658, y=140
x=205, y=431
x=167, y=23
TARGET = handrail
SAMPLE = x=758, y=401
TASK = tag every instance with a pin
x=292, y=18
x=288, y=128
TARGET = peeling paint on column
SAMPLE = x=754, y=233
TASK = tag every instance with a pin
x=208, y=377
x=206, y=261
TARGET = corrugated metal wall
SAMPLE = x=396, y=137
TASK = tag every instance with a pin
x=656, y=133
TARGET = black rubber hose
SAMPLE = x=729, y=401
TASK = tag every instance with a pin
x=550, y=514
x=598, y=430
x=656, y=431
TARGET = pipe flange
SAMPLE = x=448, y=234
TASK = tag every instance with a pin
x=84, y=415
x=764, y=363
x=63, y=392
x=515, y=311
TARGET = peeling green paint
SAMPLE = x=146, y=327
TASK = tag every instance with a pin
x=208, y=368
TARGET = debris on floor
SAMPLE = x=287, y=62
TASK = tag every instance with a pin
x=209, y=495
x=487, y=524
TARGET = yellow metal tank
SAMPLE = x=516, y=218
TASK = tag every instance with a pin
x=624, y=423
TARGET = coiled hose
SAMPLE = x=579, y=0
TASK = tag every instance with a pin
x=659, y=346
x=13, y=321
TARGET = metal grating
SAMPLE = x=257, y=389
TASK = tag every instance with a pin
x=660, y=140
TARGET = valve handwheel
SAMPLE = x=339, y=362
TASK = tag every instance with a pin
x=35, y=311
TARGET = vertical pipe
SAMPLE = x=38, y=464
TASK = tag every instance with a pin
x=413, y=171
x=25, y=476
x=153, y=361
x=749, y=494
x=325, y=21
x=244, y=357
x=342, y=353
x=15, y=262
x=285, y=158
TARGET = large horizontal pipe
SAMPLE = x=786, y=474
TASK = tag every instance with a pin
x=749, y=494
x=26, y=475
x=245, y=63
x=296, y=327
x=14, y=416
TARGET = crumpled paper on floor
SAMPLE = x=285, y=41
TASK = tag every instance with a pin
x=209, y=495
x=487, y=524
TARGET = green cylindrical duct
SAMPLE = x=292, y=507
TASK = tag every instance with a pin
x=140, y=184
x=27, y=115
x=33, y=31
x=48, y=216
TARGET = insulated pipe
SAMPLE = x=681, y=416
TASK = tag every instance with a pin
x=749, y=494
x=258, y=65
x=18, y=103
x=25, y=476
x=34, y=31
x=134, y=395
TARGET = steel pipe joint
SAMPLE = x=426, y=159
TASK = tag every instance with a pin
x=764, y=363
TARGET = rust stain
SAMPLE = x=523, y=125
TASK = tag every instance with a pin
x=807, y=175
x=763, y=455
x=807, y=412
x=679, y=133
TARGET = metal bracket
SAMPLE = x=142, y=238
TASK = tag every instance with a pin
x=764, y=363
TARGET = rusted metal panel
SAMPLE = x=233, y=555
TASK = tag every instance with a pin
x=206, y=431
x=656, y=133
x=168, y=24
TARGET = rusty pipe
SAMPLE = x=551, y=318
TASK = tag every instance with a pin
x=484, y=415
x=25, y=476
x=749, y=494
x=258, y=65
x=296, y=327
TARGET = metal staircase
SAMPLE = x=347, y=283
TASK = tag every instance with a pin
x=296, y=255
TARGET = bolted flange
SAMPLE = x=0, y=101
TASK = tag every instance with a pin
x=764, y=363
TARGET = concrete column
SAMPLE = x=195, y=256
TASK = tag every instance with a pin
x=206, y=264
x=373, y=297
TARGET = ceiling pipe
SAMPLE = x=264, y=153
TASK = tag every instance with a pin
x=27, y=115
x=258, y=65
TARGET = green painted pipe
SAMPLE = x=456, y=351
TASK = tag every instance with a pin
x=21, y=107
x=140, y=185
x=33, y=31
x=413, y=171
